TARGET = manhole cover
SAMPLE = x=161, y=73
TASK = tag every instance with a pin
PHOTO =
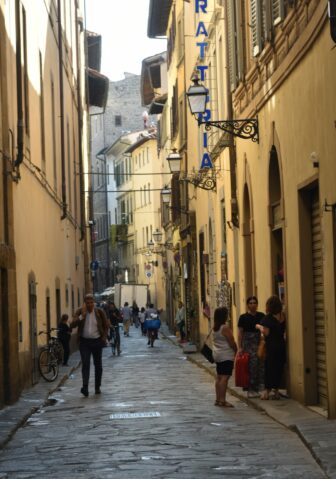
x=135, y=415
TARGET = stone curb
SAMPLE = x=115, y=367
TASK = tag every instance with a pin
x=292, y=427
x=7, y=435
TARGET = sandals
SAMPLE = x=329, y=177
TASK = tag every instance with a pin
x=223, y=404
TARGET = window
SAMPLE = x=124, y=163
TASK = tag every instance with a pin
x=43, y=152
x=117, y=120
x=22, y=61
x=69, y=165
x=53, y=132
x=235, y=40
x=145, y=199
x=149, y=200
x=174, y=112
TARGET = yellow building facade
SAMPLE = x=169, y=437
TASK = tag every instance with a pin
x=268, y=227
x=44, y=248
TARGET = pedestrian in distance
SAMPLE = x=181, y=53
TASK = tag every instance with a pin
x=64, y=335
x=248, y=342
x=180, y=320
x=135, y=314
x=142, y=315
x=152, y=333
x=224, y=351
x=92, y=334
x=113, y=314
x=273, y=327
x=127, y=316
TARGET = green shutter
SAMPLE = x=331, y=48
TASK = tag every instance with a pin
x=256, y=26
x=278, y=11
x=232, y=53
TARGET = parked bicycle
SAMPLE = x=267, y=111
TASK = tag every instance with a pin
x=50, y=357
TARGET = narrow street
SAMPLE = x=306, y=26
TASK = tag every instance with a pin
x=109, y=436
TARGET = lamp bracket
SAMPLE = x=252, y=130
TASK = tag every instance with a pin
x=329, y=207
x=202, y=179
x=246, y=129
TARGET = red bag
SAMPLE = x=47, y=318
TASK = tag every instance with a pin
x=242, y=376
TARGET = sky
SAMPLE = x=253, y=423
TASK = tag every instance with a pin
x=123, y=26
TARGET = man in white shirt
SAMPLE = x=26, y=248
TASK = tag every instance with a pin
x=92, y=334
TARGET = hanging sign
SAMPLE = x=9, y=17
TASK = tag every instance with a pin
x=201, y=6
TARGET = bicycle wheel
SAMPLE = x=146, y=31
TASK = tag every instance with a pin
x=48, y=365
x=58, y=350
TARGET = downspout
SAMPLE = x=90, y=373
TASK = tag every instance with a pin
x=80, y=139
x=233, y=181
x=20, y=120
x=61, y=89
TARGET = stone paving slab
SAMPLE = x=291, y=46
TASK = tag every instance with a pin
x=76, y=437
x=315, y=431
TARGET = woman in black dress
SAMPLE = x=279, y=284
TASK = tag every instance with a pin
x=248, y=341
x=273, y=328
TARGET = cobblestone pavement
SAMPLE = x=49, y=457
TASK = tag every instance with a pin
x=184, y=436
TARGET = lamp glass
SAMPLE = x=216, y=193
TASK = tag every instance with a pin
x=150, y=244
x=157, y=235
x=197, y=96
x=165, y=195
x=174, y=161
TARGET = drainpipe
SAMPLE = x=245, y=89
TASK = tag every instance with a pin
x=80, y=139
x=61, y=89
x=233, y=182
x=20, y=120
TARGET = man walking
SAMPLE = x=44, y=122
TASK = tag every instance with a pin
x=92, y=334
x=126, y=314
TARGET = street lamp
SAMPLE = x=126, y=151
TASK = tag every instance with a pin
x=157, y=235
x=197, y=97
x=174, y=161
x=165, y=195
x=246, y=128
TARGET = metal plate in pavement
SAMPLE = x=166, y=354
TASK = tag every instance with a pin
x=135, y=415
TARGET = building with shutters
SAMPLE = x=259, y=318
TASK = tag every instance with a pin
x=269, y=225
x=44, y=244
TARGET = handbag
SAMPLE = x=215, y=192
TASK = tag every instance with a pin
x=261, y=351
x=206, y=351
x=242, y=376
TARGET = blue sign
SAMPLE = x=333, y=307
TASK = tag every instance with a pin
x=94, y=265
x=201, y=6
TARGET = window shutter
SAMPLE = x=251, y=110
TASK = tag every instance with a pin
x=239, y=39
x=278, y=11
x=232, y=44
x=256, y=25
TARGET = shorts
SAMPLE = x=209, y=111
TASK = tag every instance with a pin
x=224, y=368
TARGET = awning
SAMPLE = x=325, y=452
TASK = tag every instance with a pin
x=158, y=16
x=98, y=86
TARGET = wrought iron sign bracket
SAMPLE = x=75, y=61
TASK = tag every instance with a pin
x=201, y=180
x=246, y=129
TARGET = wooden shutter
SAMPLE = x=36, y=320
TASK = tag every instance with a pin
x=256, y=25
x=318, y=295
x=278, y=11
x=239, y=39
x=231, y=42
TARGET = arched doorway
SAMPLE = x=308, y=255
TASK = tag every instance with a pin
x=248, y=245
x=212, y=268
x=33, y=326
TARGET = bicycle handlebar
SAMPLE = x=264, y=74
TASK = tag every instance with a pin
x=48, y=332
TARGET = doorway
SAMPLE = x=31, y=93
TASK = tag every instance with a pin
x=33, y=328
